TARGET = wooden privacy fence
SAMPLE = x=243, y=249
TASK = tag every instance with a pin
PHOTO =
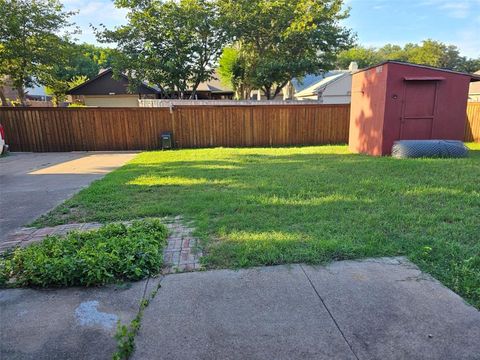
x=472, y=128
x=101, y=129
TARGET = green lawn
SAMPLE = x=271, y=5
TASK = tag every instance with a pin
x=309, y=204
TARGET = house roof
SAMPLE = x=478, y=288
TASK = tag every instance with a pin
x=214, y=86
x=473, y=77
x=318, y=86
x=308, y=80
x=143, y=87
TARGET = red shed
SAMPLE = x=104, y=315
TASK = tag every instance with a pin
x=402, y=101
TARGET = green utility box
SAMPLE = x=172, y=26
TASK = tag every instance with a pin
x=166, y=140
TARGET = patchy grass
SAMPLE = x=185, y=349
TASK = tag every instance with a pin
x=311, y=204
x=110, y=254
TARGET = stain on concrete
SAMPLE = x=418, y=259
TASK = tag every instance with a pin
x=87, y=314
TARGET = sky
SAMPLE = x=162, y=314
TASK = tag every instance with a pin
x=376, y=22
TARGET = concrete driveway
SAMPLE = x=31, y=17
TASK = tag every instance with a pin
x=34, y=183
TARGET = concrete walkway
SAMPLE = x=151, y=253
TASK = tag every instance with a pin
x=34, y=183
x=74, y=323
x=375, y=309
x=378, y=309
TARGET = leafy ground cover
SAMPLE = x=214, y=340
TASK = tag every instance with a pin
x=262, y=206
x=110, y=254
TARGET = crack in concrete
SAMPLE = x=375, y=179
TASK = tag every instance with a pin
x=418, y=278
x=329, y=313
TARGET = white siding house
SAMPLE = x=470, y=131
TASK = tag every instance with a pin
x=335, y=88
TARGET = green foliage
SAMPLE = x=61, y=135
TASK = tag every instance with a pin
x=283, y=39
x=125, y=337
x=171, y=44
x=429, y=52
x=86, y=60
x=232, y=72
x=469, y=65
x=392, y=52
x=311, y=204
x=58, y=87
x=433, y=53
x=364, y=57
x=30, y=47
x=80, y=62
x=227, y=64
x=77, y=80
x=112, y=253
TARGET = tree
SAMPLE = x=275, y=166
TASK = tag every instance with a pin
x=32, y=37
x=232, y=69
x=171, y=44
x=433, y=53
x=391, y=52
x=58, y=88
x=86, y=60
x=363, y=56
x=469, y=65
x=80, y=62
x=428, y=52
x=285, y=39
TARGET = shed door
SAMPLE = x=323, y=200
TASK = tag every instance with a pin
x=418, y=114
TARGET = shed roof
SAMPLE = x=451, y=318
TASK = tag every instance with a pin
x=473, y=77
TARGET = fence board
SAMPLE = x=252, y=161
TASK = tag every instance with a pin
x=99, y=129
x=472, y=128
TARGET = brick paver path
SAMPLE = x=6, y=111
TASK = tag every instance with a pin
x=181, y=253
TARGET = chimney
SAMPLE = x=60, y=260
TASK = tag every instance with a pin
x=353, y=66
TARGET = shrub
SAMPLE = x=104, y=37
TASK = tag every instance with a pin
x=112, y=253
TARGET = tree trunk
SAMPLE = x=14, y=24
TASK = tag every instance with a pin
x=21, y=96
x=194, y=91
x=279, y=88
x=267, y=90
x=241, y=93
x=3, y=99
